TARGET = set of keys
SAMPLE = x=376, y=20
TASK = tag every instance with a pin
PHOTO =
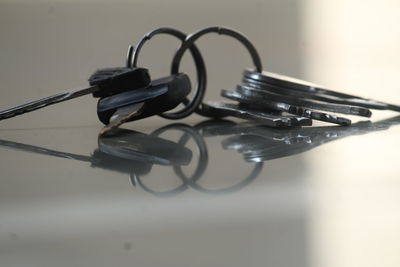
x=271, y=92
x=128, y=93
x=280, y=101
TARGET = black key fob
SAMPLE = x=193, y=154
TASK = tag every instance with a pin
x=117, y=80
x=163, y=95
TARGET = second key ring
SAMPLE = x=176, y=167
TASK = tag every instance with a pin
x=189, y=43
x=191, y=105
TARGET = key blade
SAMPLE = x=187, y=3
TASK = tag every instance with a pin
x=295, y=84
x=120, y=116
x=44, y=102
x=263, y=104
x=318, y=95
x=267, y=119
x=308, y=103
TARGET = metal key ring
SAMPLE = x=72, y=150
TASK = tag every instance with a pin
x=191, y=38
x=191, y=105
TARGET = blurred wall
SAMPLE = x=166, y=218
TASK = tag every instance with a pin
x=353, y=46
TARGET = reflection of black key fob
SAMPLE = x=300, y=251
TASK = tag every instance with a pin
x=162, y=95
x=108, y=162
x=134, y=152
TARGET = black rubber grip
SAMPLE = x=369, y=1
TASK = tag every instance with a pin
x=113, y=81
x=163, y=95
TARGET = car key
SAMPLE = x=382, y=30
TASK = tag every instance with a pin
x=219, y=109
x=164, y=94
x=313, y=104
x=104, y=82
x=313, y=95
x=313, y=90
x=264, y=104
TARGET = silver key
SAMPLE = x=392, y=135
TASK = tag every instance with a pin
x=44, y=102
x=219, y=109
x=104, y=82
x=296, y=87
x=262, y=104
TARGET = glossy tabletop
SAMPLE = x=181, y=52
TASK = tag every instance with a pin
x=225, y=193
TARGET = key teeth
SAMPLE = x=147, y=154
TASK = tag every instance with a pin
x=361, y=111
x=324, y=98
x=267, y=119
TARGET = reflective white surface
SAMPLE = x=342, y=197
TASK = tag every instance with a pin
x=338, y=198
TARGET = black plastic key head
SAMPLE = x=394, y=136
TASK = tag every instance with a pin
x=113, y=81
x=163, y=95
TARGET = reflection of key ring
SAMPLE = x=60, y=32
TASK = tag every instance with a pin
x=201, y=167
x=193, y=182
x=135, y=179
x=191, y=38
x=203, y=158
x=186, y=182
x=199, y=63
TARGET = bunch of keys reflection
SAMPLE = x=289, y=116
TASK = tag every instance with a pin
x=134, y=153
